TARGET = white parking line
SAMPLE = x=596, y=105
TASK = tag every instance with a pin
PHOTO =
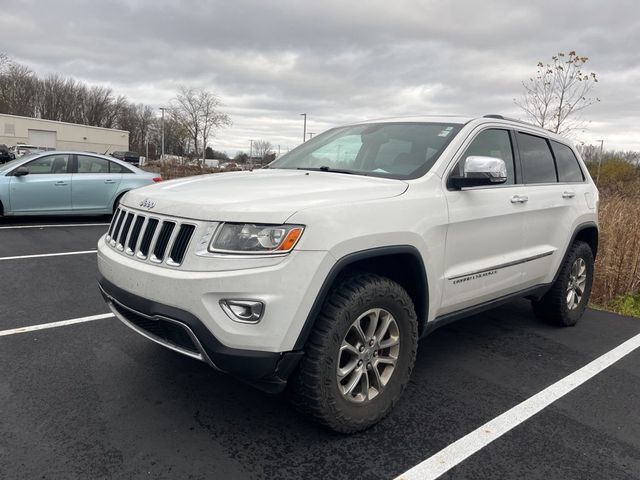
x=40, y=255
x=9, y=227
x=62, y=323
x=452, y=455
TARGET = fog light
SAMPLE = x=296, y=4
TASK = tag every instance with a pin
x=243, y=311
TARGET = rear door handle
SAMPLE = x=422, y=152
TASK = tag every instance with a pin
x=60, y=184
x=519, y=199
x=109, y=181
x=568, y=194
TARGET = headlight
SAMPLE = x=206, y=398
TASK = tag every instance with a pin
x=251, y=238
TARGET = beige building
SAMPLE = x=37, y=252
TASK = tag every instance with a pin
x=50, y=134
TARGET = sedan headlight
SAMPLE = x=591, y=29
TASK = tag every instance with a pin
x=252, y=238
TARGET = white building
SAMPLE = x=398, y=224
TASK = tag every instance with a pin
x=61, y=135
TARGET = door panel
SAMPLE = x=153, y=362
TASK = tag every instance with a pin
x=46, y=189
x=484, y=246
x=551, y=209
x=93, y=186
x=484, y=237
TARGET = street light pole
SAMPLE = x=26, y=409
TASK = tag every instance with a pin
x=162, y=148
x=304, y=131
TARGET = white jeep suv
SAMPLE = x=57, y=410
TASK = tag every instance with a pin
x=322, y=271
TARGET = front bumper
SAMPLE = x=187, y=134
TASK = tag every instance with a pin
x=180, y=308
x=182, y=332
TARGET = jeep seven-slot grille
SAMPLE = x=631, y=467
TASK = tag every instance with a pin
x=149, y=238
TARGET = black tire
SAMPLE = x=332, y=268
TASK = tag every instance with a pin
x=314, y=387
x=553, y=306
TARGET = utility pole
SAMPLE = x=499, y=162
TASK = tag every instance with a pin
x=162, y=148
x=278, y=150
x=600, y=159
x=251, y=151
x=304, y=131
x=311, y=134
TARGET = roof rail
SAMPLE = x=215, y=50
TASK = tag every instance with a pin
x=502, y=117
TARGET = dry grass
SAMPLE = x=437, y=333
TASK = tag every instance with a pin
x=618, y=263
x=170, y=170
x=617, y=279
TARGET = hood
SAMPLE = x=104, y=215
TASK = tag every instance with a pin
x=266, y=196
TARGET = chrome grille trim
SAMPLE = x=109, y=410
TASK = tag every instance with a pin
x=128, y=234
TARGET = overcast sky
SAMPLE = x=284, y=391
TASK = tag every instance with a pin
x=338, y=61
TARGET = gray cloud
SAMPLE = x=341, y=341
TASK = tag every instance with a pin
x=337, y=61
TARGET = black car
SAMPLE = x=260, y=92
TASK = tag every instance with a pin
x=5, y=154
x=131, y=157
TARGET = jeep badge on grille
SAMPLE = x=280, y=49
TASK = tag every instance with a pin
x=148, y=204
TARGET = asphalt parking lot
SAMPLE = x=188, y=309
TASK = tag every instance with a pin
x=93, y=400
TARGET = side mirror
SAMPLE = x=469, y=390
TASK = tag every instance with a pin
x=21, y=172
x=480, y=171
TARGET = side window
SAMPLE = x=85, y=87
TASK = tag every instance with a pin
x=568, y=167
x=88, y=164
x=490, y=143
x=537, y=162
x=117, y=168
x=51, y=164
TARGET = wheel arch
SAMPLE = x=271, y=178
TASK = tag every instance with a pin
x=401, y=263
x=116, y=200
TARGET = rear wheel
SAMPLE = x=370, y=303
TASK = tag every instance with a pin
x=567, y=299
x=359, y=356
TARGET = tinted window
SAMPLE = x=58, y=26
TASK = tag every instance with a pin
x=87, y=164
x=117, y=168
x=567, y=163
x=537, y=162
x=50, y=164
x=490, y=143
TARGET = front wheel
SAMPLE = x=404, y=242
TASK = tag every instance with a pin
x=568, y=297
x=360, y=354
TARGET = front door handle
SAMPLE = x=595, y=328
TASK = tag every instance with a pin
x=60, y=184
x=568, y=194
x=519, y=199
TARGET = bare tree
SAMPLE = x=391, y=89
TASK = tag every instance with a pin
x=198, y=111
x=4, y=62
x=18, y=90
x=261, y=149
x=558, y=92
x=211, y=117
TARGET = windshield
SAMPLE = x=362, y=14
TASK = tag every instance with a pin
x=391, y=150
x=14, y=163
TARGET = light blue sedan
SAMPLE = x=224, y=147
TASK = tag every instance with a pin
x=67, y=183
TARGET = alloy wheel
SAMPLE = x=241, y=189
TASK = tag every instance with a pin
x=368, y=355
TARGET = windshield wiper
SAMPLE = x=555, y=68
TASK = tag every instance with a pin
x=324, y=168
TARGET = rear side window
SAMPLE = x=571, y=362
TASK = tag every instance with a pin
x=89, y=164
x=117, y=168
x=568, y=167
x=537, y=162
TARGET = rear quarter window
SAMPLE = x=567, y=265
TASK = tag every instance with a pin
x=568, y=167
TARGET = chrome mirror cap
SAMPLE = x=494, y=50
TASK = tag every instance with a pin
x=491, y=168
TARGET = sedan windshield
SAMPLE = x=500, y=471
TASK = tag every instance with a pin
x=391, y=150
x=14, y=163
